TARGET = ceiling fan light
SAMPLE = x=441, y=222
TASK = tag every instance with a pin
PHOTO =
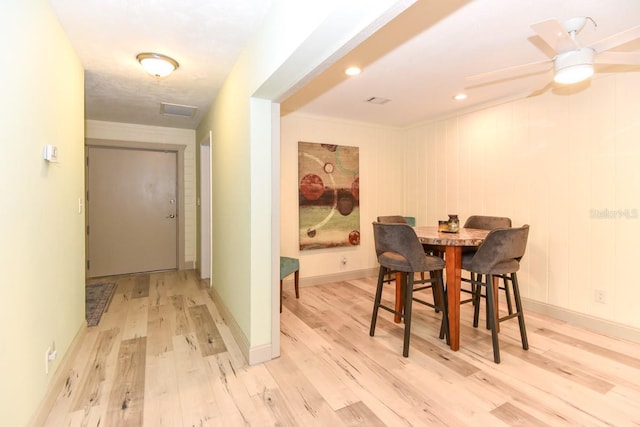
x=574, y=74
x=156, y=64
x=574, y=66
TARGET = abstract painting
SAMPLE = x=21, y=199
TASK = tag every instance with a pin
x=328, y=195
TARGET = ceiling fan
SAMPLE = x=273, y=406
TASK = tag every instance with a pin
x=572, y=62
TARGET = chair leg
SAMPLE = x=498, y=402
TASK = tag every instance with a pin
x=408, y=302
x=376, y=302
x=516, y=294
x=444, y=325
x=280, y=295
x=437, y=293
x=403, y=277
x=492, y=318
x=473, y=287
x=507, y=294
x=496, y=292
x=296, y=280
x=477, y=293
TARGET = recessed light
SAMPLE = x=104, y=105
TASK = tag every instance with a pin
x=352, y=71
x=460, y=96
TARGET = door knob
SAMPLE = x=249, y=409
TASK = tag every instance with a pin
x=171, y=216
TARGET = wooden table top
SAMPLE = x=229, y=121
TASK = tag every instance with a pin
x=465, y=237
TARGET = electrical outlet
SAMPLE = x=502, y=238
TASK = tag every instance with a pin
x=49, y=356
x=600, y=296
x=344, y=260
x=46, y=360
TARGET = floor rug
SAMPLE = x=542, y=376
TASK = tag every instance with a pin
x=98, y=296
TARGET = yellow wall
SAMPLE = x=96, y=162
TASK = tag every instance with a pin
x=563, y=164
x=42, y=239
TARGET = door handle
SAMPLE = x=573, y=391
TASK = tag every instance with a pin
x=171, y=216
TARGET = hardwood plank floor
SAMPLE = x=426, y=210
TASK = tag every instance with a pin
x=162, y=356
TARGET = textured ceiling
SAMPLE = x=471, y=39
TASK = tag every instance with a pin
x=418, y=61
x=204, y=36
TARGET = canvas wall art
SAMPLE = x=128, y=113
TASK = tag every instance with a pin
x=328, y=195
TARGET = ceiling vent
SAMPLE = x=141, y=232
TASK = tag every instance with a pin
x=377, y=100
x=167, y=109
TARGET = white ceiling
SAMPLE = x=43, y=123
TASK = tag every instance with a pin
x=418, y=61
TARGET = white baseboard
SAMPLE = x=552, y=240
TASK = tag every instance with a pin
x=254, y=355
x=595, y=324
x=335, y=277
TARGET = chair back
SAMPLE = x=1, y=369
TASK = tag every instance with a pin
x=482, y=222
x=392, y=219
x=399, y=244
x=501, y=251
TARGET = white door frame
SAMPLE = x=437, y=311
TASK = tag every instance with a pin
x=205, y=207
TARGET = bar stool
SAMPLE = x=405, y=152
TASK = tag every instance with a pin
x=484, y=222
x=398, y=249
x=499, y=255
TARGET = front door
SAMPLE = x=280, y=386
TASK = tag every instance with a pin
x=132, y=211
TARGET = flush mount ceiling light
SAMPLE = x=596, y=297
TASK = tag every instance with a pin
x=574, y=66
x=459, y=97
x=156, y=64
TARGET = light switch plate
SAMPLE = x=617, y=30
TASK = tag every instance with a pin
x=51, y=153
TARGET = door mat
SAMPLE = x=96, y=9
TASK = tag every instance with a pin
x=97, y=298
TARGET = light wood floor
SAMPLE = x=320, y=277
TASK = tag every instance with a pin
x=162, y=356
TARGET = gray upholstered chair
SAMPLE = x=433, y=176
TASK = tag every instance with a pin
x=481, y=222
x=398, y=249
x=392, y=219
x=499, y=254
x=287, y=266
x=399, y=219
x=484, y=222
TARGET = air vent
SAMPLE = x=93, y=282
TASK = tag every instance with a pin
x=168, y=109
x=377, y=100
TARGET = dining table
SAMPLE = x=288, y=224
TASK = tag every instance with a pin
x=451, y=244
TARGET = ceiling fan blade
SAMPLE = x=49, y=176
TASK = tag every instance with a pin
x=513, y=72
x=616, y=40
x=611, y=57
x=555, y=35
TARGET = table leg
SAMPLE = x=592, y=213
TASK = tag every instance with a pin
x=453, y=258
x=399, y=300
